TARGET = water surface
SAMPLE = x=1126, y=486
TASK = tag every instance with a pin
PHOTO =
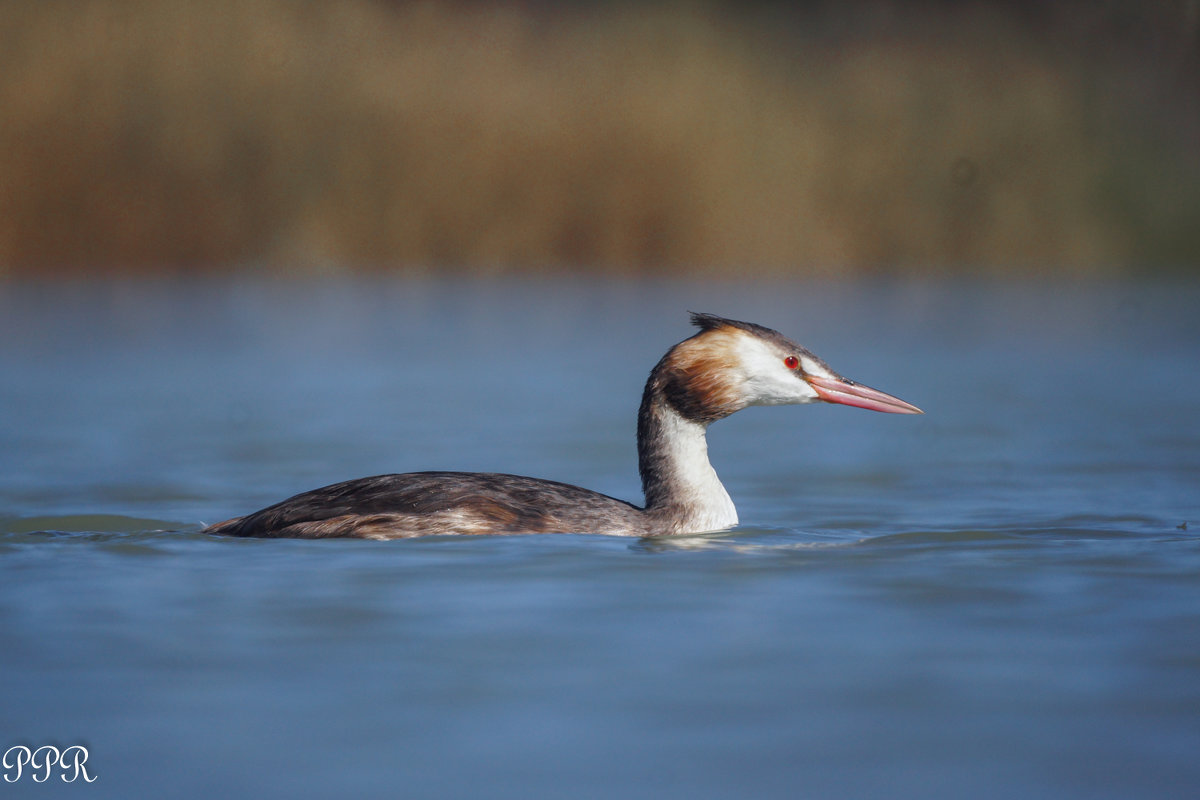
x=998, y=599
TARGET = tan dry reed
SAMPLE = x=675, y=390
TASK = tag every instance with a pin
x=181, y=133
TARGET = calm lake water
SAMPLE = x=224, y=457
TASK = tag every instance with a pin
x=998, y=599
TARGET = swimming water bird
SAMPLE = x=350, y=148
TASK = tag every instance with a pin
x=725, y=367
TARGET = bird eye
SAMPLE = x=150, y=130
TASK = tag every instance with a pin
x=791, y=362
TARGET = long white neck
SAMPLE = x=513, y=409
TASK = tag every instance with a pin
x=682, y=489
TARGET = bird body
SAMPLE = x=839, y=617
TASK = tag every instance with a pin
x=725, y=367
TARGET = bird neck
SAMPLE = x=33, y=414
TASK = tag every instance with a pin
x=682, y=489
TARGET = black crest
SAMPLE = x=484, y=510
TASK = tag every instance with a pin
x=711, y=322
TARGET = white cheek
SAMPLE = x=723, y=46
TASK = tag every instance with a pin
x=767, y=382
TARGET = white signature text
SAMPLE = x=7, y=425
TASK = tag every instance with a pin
x=40, y=763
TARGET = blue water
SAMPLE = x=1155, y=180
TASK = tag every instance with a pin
x=998, y=599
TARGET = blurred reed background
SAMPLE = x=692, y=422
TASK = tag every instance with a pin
x=765, y=137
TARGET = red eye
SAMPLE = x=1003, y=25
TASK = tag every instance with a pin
x=791, y=362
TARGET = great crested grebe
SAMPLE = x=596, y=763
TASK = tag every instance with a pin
x=724, y=368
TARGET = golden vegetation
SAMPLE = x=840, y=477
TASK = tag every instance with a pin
x=292, y=133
